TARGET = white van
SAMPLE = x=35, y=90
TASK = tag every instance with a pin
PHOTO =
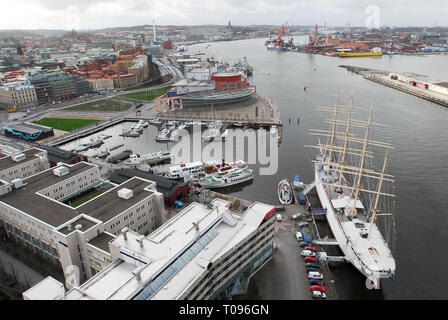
x=315, y=275
x=279, y=217
x=299, y=236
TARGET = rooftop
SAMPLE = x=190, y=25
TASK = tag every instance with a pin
x=104, y=207
x=165, y=186
x=47, y=289
x=109, y=204
x=173, y=256
x=8, y=162
x=102, y=241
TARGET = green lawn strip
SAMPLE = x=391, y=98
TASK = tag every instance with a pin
x=80, y=202
x=146, y=95
x=102, y=105
x=66, y=124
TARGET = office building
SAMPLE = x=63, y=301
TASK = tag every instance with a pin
x=203, y=252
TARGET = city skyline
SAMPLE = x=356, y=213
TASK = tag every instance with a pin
x=84, y=15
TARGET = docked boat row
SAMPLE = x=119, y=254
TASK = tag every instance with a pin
x=135, y=130
x=211, y=174
x=94, y=143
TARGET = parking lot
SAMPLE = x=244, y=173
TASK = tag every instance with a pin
x=285, y=276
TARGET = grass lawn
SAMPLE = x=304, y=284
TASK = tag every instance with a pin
x=102, y=105
x=66, y=124
x=146, y=95
x=89, y=197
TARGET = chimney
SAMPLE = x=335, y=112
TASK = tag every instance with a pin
x=140, y=241
x=137, y=272
x=124, y=232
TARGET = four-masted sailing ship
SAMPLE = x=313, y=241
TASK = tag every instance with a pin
x=353, y=192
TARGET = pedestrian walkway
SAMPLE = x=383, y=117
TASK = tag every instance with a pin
x=24, y=274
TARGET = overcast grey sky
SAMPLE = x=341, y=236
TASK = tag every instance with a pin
x=94, y=14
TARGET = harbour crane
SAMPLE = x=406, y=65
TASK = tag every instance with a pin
x=313, y=38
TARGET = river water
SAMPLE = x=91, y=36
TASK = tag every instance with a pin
x=416, y=128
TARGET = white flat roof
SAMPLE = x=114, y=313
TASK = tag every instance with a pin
x=161, y=248
x=47, y=289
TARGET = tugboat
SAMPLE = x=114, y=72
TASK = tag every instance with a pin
x=284, y=192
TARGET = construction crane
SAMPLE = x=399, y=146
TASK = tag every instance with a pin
x=282, y=31
x=313, y=38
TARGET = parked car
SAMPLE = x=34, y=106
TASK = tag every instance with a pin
x=302, y=199
x=310, y=248
x=303, y=224
x=303, y=244
x=278, y=217
x=299, y=236
x=315, y=282
x=319, y=295
x=313, y=264
x=315, y=274
x=308, y=253
x=296, y=216
x=317, y=287
x=309, y=259
x=313, y=269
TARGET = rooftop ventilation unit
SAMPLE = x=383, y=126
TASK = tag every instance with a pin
x=17, y=183
x=61, y=171
x=125, y=193
x=18, y=157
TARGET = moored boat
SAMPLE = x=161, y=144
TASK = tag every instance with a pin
x=285, y=194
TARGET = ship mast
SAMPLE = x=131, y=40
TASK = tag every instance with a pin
x=333, y=129
x=347, y=132
x=377, y=198
x=363, y=157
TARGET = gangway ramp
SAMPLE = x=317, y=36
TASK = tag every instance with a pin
x=309, y=187
x=326, y=242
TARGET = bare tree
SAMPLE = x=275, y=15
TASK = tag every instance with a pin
x=2, y=268
x=13, y=273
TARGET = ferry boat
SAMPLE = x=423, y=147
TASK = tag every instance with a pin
x=377, y=54
x=214, y=166
x=155, y=157
x=353, y=193
x=183, y=170
x=285, y=194
x=226, y=177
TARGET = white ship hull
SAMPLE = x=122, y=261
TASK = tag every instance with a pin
x=345, y=243
x=220, y=184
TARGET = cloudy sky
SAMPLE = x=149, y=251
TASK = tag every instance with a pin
x=94, y=14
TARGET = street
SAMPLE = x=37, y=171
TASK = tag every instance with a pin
x=284, y=277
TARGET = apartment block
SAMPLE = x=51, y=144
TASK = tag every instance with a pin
x=19, y=94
